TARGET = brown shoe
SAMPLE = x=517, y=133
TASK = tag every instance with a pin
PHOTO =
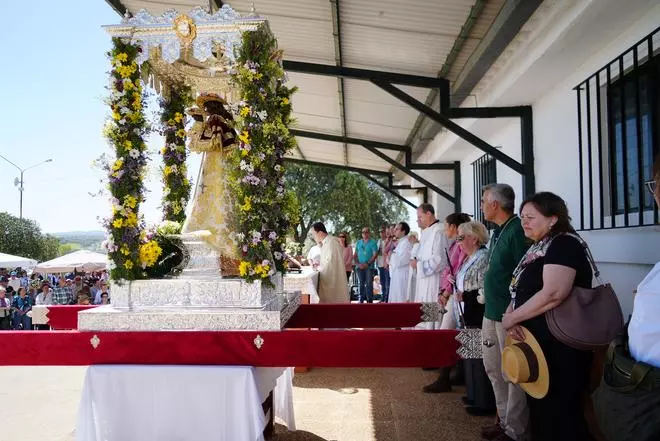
x=491, y=431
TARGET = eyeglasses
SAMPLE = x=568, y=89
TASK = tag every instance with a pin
x=460, y=238
x=651, y=185
x=365, y=231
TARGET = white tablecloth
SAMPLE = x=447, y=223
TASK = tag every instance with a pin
x=307, y=282
x=181, y=403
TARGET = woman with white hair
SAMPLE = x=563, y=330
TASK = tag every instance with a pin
x=472, y=238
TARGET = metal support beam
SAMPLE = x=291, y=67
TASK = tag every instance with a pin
x=387, y=189
x=349, y=140
x=442, y=166
x=450, y=125
x=117, y=6
x=336, y=33
x=410, y=173
x=364, y=74
x=527, y=144
x=486, y=112
x=337, y=166
x=457, y=186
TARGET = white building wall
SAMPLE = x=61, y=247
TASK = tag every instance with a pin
x=625, y=255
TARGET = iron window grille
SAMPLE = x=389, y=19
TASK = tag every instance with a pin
x=618, y=111
x=484, y=171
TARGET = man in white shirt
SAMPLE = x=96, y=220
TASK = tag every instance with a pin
x=400, y=265
x=314, y=255
x=644, y=327
x=332, y=275
x=14, y=282
x=431, y=259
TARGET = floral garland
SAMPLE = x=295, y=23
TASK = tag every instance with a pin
x=129, y=247
x=256, y=170
x=176, y=186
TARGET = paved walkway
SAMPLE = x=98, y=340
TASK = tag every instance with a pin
x=330, y=404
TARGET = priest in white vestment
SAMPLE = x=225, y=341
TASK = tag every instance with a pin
x=333, y=287
x=400, y=265
x=431, y=259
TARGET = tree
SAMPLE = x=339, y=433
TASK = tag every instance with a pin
x=23, y=237
x=343, y=200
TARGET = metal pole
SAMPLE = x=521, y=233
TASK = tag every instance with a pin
x=20, y=190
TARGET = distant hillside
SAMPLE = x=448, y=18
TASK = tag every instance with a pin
x=87, y=240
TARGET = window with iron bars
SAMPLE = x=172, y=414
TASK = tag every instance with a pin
x=618, y=110
x=484, y=171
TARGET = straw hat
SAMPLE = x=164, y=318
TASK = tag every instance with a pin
x=525, y=365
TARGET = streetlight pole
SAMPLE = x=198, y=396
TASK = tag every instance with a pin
x=20, y=183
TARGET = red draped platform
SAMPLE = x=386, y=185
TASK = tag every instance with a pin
x=289, y=347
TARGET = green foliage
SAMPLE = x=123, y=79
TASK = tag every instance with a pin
x=24, y=238
x=344, y=201
x=256, y=168
x=67, y=248
x=176, y=186
x=125, y=132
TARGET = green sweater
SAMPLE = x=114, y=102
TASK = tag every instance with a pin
x=507, y=247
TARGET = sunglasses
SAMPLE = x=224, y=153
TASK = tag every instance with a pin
x=460, y=238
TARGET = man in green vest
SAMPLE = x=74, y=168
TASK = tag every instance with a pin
x=507, y=246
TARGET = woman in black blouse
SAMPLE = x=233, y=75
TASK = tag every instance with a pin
x=544, y=278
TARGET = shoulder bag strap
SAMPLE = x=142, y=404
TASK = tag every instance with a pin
x=590, y=257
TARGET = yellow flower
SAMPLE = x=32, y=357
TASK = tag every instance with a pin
x=186, y=181
x=149, y=253
x=244, y=152
x=131, y=220
x=178, y=117
x=247, y=204
x=128, y=85
x=245, y=111
x=176, y=208
x=117, y=165
x=181, y=133
x=128, y=265
x=134, y=117
x=124, y=250
x=121, y=57
x=245, y=137
x=116, y=116
x=163, y=150
x=130, y=201
x=285, y=101
x=258, y=76
x=117, y=223
x=127, y=145
x=258, y=269
x=243, y=268
x=167, y=170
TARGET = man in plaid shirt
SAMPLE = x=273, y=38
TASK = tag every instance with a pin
x=63, y=294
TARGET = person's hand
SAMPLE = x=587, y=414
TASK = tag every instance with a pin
x=451, y=279
x=516, y=333
x=413, y=264
x=512, y=328
x=443, y=299
x=459, y=296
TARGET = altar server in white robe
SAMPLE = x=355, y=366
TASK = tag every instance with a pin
x=400, y=265
x=431, y=259
x=332, y=273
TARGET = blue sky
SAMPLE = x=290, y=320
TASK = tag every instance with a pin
x=54, y=72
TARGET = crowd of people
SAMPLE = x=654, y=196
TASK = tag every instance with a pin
x=20, y=292
x=502, y=283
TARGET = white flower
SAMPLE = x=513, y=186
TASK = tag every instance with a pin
x=277, y=255
x=133, y=153
x=124, y=110
x=166, y=191
x=174, y=168
x=245, y=248
x=278, y=168
x=265, y=262
x=240, y=236
x=262, y=115
x=272, y=235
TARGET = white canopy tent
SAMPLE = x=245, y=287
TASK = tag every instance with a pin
x=9, y=261
x=81, y=260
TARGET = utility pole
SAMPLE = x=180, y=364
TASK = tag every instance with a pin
x=19, y=183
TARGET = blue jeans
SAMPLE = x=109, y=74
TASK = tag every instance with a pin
x=22, y=319
x=384, y=274
x=366, y=280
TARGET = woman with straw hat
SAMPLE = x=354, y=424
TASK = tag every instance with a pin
x=545, y=277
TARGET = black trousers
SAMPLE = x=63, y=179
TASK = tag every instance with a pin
x=5, y=323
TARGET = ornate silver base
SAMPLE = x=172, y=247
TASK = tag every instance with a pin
x=271, y=317
x=200, y=260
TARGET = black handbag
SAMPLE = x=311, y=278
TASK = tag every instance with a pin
x=627, y=402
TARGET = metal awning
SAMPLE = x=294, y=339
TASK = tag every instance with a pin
x=330, y=44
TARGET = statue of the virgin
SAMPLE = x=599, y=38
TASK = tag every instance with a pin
x=211, y=213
